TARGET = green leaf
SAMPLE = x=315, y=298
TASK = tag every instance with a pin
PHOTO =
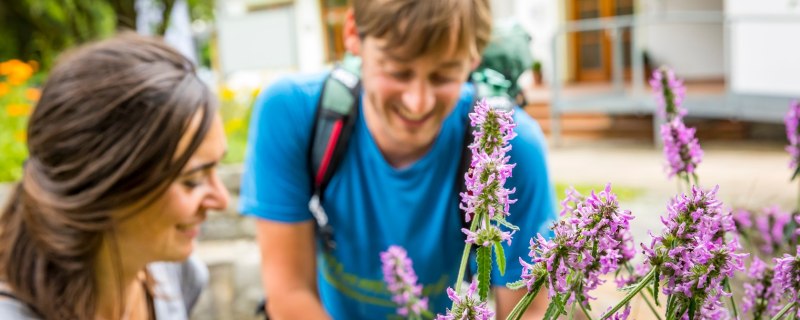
x=516, y=285
x=505, y=223
x=692, y=308
x=501, y=257
x=552, y=311
x=484, y=271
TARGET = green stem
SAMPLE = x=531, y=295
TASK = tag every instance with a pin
x=670, y=306
x=643, y=283
x=526, y=300
x=733, y=302
x=586, y=312
x=783, y=311
x=465, y=257
x=571, y=314
x=649, y=304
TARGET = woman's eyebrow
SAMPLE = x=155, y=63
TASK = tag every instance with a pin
x=204, y=166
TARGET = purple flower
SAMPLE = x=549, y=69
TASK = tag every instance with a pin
x=694, y=255
x=772, y=227
x=401, y=280
x=593, y=239
x=742, y=219
x=792, y=134
x=489, y=170
x=570, y=202
x=623, y=315
x=787, y=277
x=487, y=235
x=762, y=296
x=681, y=148
x=467, y=307
x=669, y=92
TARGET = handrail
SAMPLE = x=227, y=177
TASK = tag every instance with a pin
x=616, y=24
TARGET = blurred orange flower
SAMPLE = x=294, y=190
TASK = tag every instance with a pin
x=21, y=136
x=4, y=89
x=33, y=94
x=16, y=71
x=18, y=109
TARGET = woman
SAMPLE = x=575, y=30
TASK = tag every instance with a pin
x=123, y=146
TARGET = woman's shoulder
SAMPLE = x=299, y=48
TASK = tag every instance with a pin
x=178, y=286
x=13, y=309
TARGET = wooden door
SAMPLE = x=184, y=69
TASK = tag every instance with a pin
x=333, y=13
x=592, y=50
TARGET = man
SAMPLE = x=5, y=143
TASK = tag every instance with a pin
x=395, y=183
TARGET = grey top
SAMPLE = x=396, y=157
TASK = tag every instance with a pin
x=178, y=286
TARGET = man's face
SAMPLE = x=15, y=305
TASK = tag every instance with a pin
x=407, y=101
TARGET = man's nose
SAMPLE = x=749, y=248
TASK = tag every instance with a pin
x=418, y=98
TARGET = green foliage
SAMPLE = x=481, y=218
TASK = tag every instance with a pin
x=536, y=66
x=17, y=97
x=555, y=308
x=519, y=284
x=623, y=193
x=484, y=271
x=236, y=109
x=40, y=29
x=501, y=257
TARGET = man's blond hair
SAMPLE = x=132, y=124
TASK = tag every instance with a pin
x=414, y=28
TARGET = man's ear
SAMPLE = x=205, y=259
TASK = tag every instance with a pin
x=352, y=40
x=475, y=63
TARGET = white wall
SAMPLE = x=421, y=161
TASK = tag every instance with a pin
x=540, y=18
x=258, y=40
x=695, y=51
x=309, y=36
x=764, y=47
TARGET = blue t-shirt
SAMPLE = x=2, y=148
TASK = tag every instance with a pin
x=372, y=205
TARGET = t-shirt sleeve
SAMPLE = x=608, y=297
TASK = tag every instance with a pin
x=534, y=210
x=276, y=184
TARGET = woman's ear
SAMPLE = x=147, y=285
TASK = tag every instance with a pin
x=352, y=40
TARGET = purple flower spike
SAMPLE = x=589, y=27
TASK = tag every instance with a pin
x=792, y=134
x=488, y=172
x=592, y=239
x=467, y=307
x=669, y=92
x=771, y=225
x=681, y=148
x=401, y=280
x=762, y=295
x=694, y=255
x=787, y=277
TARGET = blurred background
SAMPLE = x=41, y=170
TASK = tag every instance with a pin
x=587, y=87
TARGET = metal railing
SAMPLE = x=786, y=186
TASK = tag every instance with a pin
x=635, y=98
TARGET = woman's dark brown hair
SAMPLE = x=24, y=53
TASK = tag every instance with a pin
x=103, y=137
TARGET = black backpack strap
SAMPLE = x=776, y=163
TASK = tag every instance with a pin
x=335, y=119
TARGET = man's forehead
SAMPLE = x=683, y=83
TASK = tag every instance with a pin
x=450, y=58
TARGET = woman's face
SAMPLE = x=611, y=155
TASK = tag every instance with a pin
x=166, y=229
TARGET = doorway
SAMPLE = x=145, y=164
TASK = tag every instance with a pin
x=591, y=50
